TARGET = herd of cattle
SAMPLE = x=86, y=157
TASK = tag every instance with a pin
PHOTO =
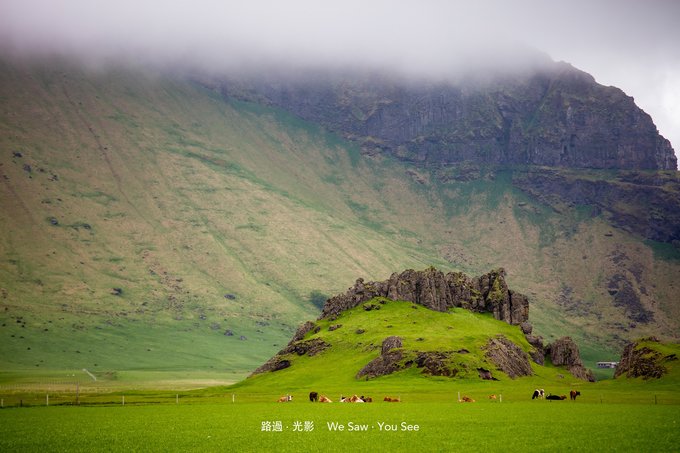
x=315, y=397
x=540, y=394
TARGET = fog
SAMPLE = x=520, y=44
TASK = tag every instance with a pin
x=626, y=43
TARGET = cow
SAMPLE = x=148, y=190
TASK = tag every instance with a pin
x=555, y=397
x=573, y=394
x=285, y=399
x=538, y=393
x=313, y=396
x=392, y=399
x=467, y=399
x=354, y=399
x=324, y=399
x=492, y=397
x=367, y=399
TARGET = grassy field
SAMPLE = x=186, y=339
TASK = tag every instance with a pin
x=302, y=426
x=123, y=413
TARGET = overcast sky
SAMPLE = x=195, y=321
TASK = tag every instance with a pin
x=631, y=44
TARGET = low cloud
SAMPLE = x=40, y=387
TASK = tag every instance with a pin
x=627, y=43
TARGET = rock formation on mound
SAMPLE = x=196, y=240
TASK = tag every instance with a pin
x=437, y=291
x=642, y=361
x=564, y=352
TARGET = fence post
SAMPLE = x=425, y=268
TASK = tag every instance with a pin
x=177, y=399
x=233, y=398
x=47, y=399
x=123, y=400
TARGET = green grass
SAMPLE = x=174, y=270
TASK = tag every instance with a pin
x=442, y=426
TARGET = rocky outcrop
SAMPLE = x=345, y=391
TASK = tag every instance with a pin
x=437, y=291
x=387, y=362
x=642, y=361
x=295, y=346
x=276, y=363
x=554, y=115
x=436, y=363
x=564, y=352
x=311, y=347
x=508, y=357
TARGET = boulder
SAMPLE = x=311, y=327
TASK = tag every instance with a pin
x=508, y=357
x=564, y=352
x=388, y=362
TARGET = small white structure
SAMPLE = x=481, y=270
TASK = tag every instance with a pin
x=607, y=364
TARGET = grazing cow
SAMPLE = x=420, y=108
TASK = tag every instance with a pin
x=467, y=399
x=492, y=397
x=538, y=393
x=285, y=399
x=391, y=399
x=573, y=394
x=324, y=399
x=555, y=397
x=313, y=396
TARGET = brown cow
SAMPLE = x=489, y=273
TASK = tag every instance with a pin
x=285, y=399
x=573, y=394
x=391, y=399
x=467, y=399
x=367, y=399
x=324, y=399
x=492, y=397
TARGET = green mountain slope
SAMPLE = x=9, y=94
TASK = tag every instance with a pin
x=148, y=224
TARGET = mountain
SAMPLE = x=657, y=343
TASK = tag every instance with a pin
x=551, y=115
x=151, y=221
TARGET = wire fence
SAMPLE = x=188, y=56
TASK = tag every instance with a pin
x=69, y=393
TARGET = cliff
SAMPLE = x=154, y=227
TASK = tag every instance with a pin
x=554, y=115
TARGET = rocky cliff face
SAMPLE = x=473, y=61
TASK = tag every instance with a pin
x=647, y=204
x=438, y=291
x=553, y=116
x=564, y=352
